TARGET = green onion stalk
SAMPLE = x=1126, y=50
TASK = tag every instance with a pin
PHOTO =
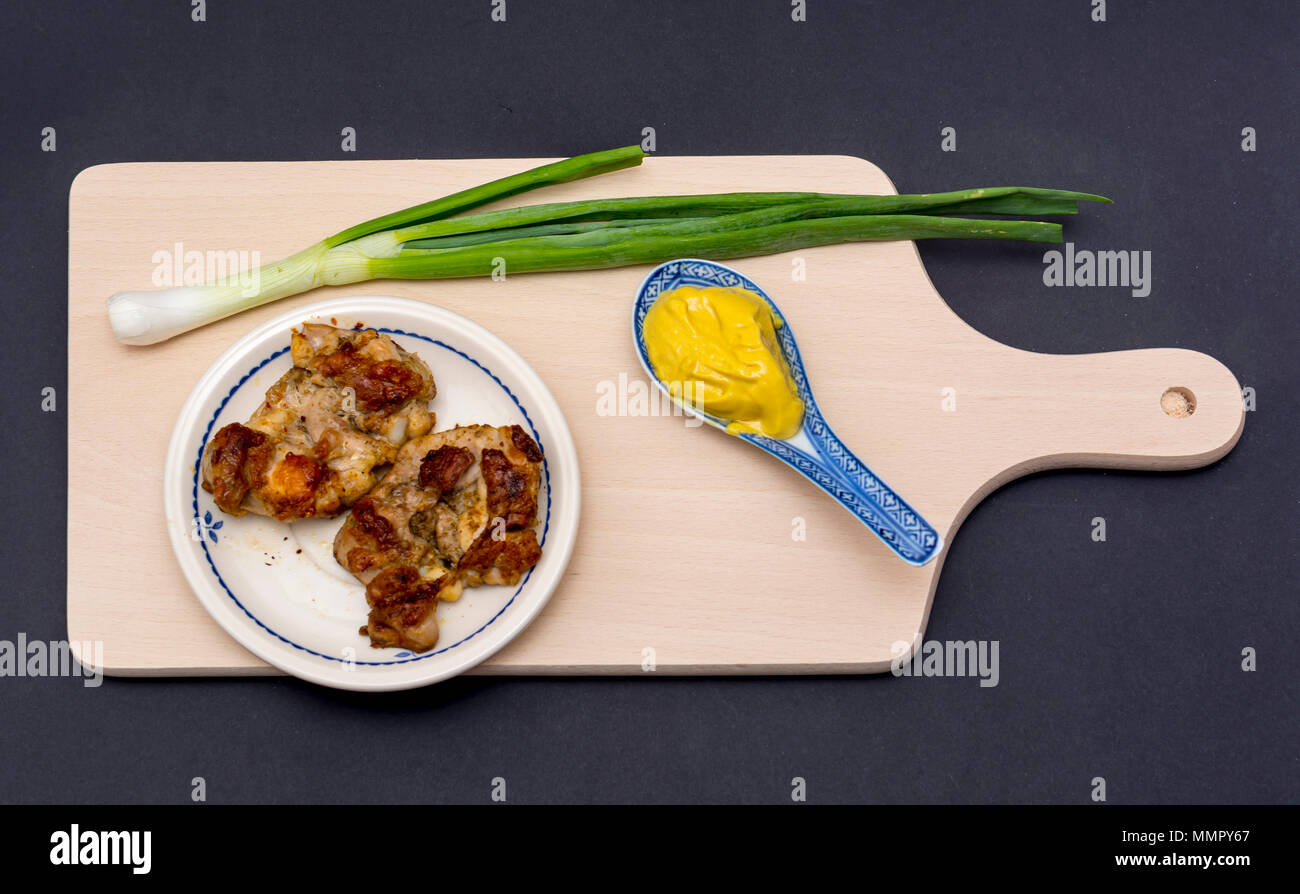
x=436, y=240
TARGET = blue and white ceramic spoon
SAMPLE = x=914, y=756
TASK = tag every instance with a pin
x=814, y=451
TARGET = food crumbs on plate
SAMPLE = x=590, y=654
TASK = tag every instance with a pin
x=715, y=349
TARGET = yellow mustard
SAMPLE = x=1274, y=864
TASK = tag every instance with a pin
x=716, y=350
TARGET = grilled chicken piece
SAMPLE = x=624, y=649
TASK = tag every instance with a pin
x=350, y=401
x=457, y=509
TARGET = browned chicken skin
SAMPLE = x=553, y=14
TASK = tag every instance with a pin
x=350, y=401
x=457, y=509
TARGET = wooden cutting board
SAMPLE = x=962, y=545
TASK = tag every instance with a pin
x=688, y=545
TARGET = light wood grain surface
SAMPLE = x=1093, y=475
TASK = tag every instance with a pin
x=686, y=544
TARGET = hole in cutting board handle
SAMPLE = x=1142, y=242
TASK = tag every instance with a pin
x=1178, y=402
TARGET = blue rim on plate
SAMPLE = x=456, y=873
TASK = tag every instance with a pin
x=830, y=464
x=400, y=657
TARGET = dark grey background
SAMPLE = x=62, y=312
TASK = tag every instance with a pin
x=1118, y=659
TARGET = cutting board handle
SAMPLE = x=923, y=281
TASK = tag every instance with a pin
x=1156, y=409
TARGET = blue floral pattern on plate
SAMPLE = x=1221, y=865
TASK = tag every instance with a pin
x=206, y=527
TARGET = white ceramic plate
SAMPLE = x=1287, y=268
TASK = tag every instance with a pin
x=276, y=587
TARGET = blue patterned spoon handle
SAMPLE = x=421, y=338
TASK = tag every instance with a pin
x=821, y=457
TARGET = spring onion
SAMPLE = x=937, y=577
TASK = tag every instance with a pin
x=436, y=240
